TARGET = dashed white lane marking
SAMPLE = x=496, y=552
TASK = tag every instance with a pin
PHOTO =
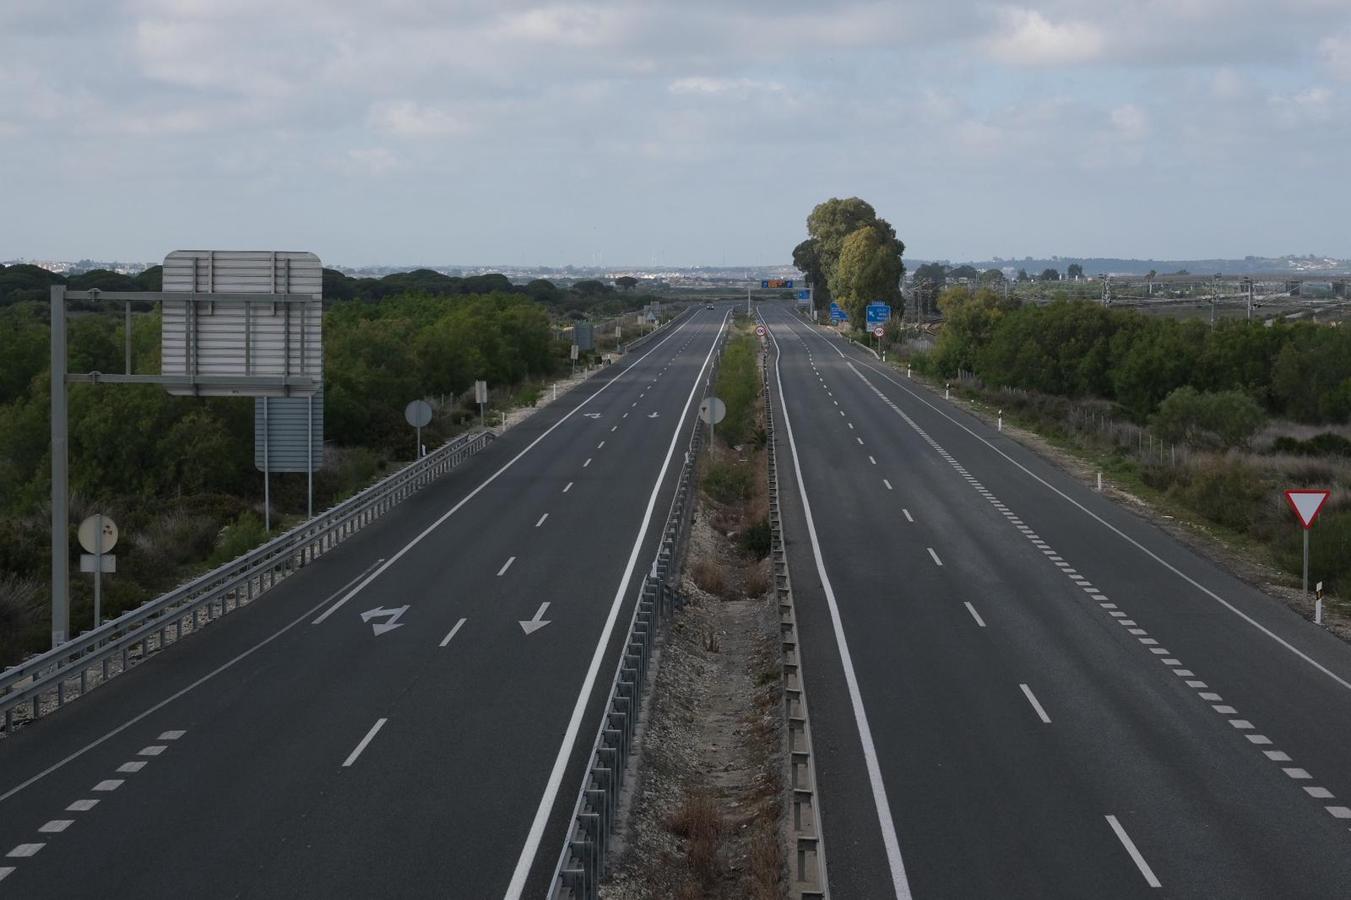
x=614, y=428
x=625, y=416
x=906, y=513
x=130, y=768
x=541, y=520
x=888, y=484
x=587, y=463
x=56, y=826
x=1140, y=863
x=1036, y=705
x=851, y=426
x=458, y=625
x=171, y=735
x=975, y=615
x=860, y=440
x=600, y=445
x=152, y=750
x=506, y=565
x=5, y=872
x=23, y=851
x=872, y=459
x=1173, y=663
x=370, y=736
x=937, y=561
x=567, y=487
x=109, y=784
x=82, y=806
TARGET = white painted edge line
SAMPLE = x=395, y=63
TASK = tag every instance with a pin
x=1036, y=705
x=506, y=565
x=458, y=625
x=541, y=520
x=370, y=736
x=900, y=883
x=1119, y=533
x=1140, y=863
x=489, y=480
x=934, y=554
x=546, y=804
x=975, y=615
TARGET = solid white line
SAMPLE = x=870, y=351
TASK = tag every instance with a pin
x=900, y=885
x=975, y=615
x=541, y=520
x=446, y=640
x=1121, y=534
x=567, y=487
x=490, y=479
x=506, y=565
x=1031, y=698
x=1140, y=863
x=935, y=556
x=908, y=517
x=370, y=736
x=550, y=796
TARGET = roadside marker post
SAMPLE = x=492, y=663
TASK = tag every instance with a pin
x=1306, y=505
x=1318, y=603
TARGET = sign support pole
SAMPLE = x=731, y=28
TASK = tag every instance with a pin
x=98, y=573
x=1306, y=560
x=60, y=472
x=267, y=461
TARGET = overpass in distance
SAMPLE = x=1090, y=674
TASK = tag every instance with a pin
x=1018, y=688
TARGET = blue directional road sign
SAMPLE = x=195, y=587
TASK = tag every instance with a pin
x=877, y=314
x=804, y=296
x=837, y=314
x=776, y=283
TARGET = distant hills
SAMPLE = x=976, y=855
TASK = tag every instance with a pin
x=1094, y=265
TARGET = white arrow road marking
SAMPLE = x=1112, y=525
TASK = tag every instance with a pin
x=392, y=615
x=592, y=415
x=653, y=415
x=530, y=626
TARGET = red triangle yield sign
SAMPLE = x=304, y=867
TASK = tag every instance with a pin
x=1306, y=505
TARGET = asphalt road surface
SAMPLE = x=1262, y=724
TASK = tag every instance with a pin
x=409, y=716
x=1021, y=689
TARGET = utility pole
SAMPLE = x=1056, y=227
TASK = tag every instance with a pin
x=60, y=461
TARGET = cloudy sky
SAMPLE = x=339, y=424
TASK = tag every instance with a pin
x=678, y=132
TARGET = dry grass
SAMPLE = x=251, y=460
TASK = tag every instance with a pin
x=709, y=577
x=756, y=579
x=766, y=862
x=700, y=824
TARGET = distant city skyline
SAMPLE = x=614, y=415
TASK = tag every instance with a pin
x=672, y=133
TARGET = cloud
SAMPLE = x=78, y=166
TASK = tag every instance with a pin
x=1335, y=51
x=1130, y=122
x=737, y=87
x=1027, y=38
x=407, y=118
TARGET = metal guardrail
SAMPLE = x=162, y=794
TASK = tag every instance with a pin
x=49, y=680
x=807, y=867
x=584, y=859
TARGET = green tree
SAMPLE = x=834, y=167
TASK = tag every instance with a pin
x=1049, y=275
x=626, y=282
x=992, y=277
x=1074, y=272
x=831, y=223
x=1023, y=276
x=808, y=261
x=1225, y=418
x=968, y=273
x=868, y=270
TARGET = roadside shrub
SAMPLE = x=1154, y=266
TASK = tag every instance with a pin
x=699, y=822
x=1329, y=549
x=755, y=539
x=246, y=533
x=1325, y=444
x=23, y=602
x=728, y=482
x=1226, y=493
x=173, y=539
x=1223, y=418
x=708, y=577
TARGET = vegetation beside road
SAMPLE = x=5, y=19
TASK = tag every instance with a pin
x=1211, y=423
x=177, y=473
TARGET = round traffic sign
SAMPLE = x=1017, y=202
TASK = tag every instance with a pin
x=760, y=330
x=877, y=331
x=92, y=528
x=418, y=413
x=712, y=410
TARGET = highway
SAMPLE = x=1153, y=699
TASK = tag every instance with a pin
x=408, y=716
x=1021, y=689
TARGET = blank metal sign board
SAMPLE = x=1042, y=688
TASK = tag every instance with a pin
x=287, y=426
x=205, y=335
x=583, y=336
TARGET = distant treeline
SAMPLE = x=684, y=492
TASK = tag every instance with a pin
x=20, y=283
x=1299, y=371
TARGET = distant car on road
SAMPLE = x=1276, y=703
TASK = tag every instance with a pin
x=710, y=306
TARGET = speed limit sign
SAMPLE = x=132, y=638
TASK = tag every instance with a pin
x=877, y=332
x=760, y=330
